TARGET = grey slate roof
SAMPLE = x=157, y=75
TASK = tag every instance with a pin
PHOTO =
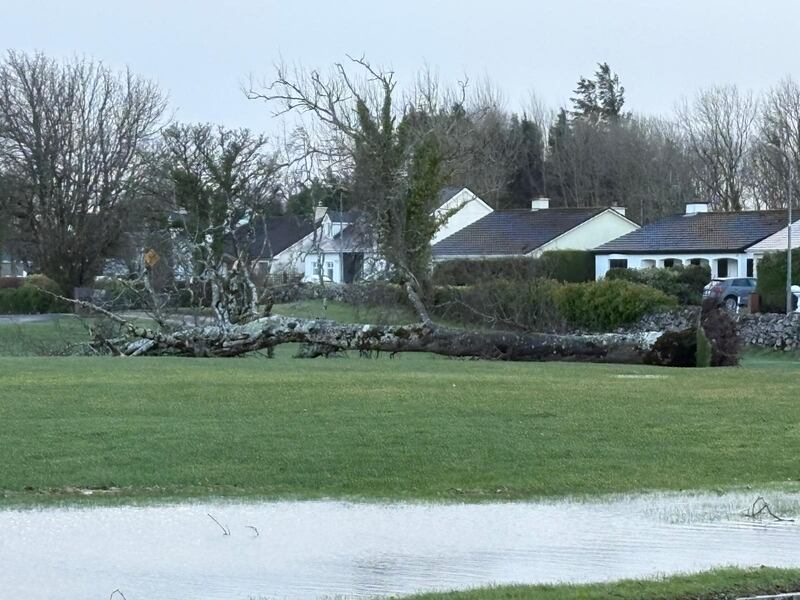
x=513, y=232
x=281, y=232
x=713, y=231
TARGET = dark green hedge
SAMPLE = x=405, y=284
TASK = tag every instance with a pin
x=570, y=266
x=29, y=298
x=684, y=283
x=608, y=304
x=772, y=279
x=548, y=305
x=501, y=304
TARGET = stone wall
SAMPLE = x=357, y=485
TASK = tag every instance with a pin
x=771, y=330
x=766, y=330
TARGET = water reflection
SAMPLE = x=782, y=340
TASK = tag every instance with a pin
x=353, y=550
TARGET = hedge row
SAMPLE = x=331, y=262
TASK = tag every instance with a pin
x=571, y=266
x=548, y=305
x=684, y=283
x=28, y=296
x=772, y=279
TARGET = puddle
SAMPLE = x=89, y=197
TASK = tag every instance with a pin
x=319, y=549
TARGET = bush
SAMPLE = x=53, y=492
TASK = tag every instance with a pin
x=772, y=279
x=29, y=299
x=43, y=282
x=684, y=283
x=559, y=265
x=609, y=303
x=527, y=305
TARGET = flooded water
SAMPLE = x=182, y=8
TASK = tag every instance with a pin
x=294, y=550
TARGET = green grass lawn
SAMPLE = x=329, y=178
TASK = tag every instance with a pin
x=723, y=584
x=415, y=426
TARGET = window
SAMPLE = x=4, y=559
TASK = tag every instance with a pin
x=750, y=267
x=329, y=269
x=741, y=282
x=618, y=263
x=669, y=263
x=695, y=261
x=317, y=268
x=722, y=267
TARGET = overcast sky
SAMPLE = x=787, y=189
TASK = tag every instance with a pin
x=201, y=51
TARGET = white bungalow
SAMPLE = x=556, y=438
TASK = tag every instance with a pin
x=724, y=241
x=530, y=232
x=342, y=249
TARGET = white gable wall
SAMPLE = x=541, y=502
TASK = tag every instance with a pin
x=468, y=209
x=600, y=229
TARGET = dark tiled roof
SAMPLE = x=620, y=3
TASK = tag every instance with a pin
x=715, y=231
x=280, y=232
x=504, y=232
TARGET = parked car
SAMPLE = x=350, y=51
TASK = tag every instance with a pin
x=730, y=292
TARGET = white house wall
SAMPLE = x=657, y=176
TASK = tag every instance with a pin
x=469, y=208
x=737, y=262
x=590, y=234
x=331, y=267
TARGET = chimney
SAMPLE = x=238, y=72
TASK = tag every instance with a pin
x=696, y=207
x=319, y=212
x=619, y=209
x=540, y=204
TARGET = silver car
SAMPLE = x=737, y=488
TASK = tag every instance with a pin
x=731, y=292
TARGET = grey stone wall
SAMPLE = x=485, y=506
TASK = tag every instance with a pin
x=771, y=330
x=766, y=330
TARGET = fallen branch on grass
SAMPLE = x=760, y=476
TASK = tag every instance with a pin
x=761, y=506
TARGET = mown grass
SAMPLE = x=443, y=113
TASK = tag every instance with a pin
x=722, y=584
x=61, y=335
x=415, y=426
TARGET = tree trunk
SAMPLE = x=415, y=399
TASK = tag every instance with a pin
x=322, y=338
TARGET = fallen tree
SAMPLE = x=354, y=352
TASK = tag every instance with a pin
x=324, y=338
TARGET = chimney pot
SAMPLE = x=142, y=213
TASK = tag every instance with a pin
x=540, y=203
x=696, y=207
x=319, y=212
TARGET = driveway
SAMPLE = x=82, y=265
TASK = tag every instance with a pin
x=23, y=319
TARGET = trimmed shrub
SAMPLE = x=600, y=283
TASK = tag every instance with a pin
x=608, y=304
x=560, y=265
x=475, y=272
x=42, y=282
x=28, y=300
x=772, y=279
x=684, y=283
x=567, y=266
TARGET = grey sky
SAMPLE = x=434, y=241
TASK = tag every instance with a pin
x=201, y=51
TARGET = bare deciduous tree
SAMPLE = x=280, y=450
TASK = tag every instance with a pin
x=779, y=142
x=719, y=125
x=70, y=135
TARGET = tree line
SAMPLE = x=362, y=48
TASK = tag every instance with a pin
x=91, y=168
